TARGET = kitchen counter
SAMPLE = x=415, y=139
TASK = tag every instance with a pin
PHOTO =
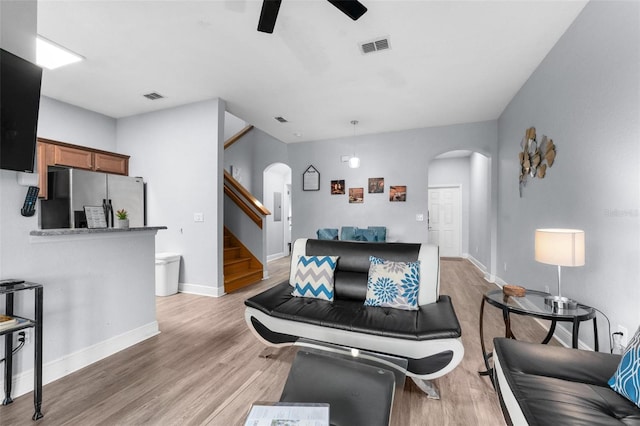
x=99, y=296
x=85, y=231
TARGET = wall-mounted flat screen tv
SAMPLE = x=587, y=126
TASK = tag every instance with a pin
x=19, y=105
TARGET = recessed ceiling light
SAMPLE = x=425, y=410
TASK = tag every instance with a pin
x=51, y=55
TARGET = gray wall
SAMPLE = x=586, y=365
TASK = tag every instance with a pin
x=67, y=123
x=177, y=151
x=585, y=96
x=401, y=158
x=480, y=211
x=253, y=154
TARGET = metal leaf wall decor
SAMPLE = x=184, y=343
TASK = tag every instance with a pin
x=535, y=156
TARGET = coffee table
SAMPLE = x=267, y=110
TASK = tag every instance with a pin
x=358, y=394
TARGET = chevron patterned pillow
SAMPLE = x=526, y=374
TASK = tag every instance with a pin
x=626, y=379
x=314, y=277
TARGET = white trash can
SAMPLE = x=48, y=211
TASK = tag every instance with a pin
x=167, y=273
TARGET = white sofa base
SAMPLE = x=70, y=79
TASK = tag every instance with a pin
x=374, y=343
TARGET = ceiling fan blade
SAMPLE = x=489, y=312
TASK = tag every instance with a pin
x=268, y=15
x=352, y=8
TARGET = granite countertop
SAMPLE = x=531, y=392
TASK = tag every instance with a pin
x=85, y=231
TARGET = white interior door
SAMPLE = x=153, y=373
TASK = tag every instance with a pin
x=445, y=213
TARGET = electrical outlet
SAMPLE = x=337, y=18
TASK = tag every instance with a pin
x=624, y=339
x=419, y=217
x=546, y=289
x=27, y=336
x=198, y=217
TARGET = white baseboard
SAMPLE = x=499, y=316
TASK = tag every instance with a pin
x=275, y=256
x=201, y=290
x=487, y=276
x=54, y=370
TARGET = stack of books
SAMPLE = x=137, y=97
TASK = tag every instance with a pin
x=7, y=321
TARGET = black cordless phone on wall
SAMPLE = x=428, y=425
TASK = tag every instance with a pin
x=29, y=207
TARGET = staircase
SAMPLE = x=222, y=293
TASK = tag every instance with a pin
x=241, y=268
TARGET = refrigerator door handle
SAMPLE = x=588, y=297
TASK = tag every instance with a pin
x=105, y=207
x=110, y=214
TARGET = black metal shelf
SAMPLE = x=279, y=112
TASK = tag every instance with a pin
x=23, y=323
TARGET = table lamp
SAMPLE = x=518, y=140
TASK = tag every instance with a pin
x=561, y=247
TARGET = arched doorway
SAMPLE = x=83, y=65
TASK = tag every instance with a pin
x=466, y=175
x=277, y=198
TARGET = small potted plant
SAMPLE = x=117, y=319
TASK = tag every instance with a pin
x=123, y=219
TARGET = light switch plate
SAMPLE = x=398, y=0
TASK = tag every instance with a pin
x=198, y=217
x=420, y=217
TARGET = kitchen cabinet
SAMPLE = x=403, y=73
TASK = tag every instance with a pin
x=111, y=163
x=72, y=157
x=55, y=153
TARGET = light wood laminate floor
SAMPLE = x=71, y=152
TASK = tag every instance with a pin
x=205, y=368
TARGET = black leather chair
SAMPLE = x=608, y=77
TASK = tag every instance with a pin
x=551, y=385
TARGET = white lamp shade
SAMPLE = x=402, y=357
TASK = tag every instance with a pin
x=563, y=247
x=354, y=162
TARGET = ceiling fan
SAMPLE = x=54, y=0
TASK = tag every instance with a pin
x=352, y=8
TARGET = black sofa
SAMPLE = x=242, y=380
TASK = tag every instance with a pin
x=428, y=338
x=550, y=385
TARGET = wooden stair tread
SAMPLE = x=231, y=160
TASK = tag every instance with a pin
x=236, y=260
x=242, y=274
x=241, y=268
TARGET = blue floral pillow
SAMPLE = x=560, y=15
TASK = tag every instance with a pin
x=626, y=379
x=393, y=284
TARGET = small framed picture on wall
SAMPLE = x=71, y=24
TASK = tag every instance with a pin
x=356, y=195
x=337, y=187
x=311, y=179
x=376, y=185
x=398, y=193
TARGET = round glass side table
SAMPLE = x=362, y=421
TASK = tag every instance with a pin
x=533, y=304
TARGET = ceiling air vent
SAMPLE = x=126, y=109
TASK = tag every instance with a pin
x=375, y=45
x=153, y=96
x=281, y=119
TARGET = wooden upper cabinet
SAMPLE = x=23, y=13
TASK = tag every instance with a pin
x=111, y=163
x=54, y=153
x=73, y=157
x=45, y=158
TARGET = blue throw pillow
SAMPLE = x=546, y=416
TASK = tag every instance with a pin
x=347, y=233
x=381, y=232
x=393, y=284
x=327, y=233
x=314, y=277
x=365, y=235
x=626, y=379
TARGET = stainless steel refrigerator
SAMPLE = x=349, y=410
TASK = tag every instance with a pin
x=70, y=190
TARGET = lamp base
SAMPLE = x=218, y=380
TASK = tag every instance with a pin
x=560, y=302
